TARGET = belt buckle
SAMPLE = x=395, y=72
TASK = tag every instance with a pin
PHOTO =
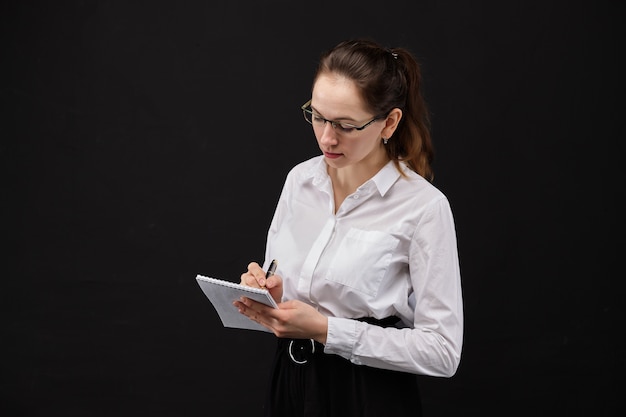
x=293, y=358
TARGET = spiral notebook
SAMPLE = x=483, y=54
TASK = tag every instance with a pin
x=222, y=294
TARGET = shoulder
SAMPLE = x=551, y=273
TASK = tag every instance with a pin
x=306, y=170
x=420, y=188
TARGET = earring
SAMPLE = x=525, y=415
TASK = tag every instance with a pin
x=385, y=141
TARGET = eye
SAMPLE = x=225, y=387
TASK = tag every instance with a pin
x=345, y=128
x=317, y=118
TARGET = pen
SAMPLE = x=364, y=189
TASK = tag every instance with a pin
x=272, y=268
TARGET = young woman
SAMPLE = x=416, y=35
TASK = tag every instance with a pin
x=368, y=276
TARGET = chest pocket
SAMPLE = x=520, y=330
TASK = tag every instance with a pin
x=362, y=260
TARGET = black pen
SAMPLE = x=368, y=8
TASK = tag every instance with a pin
x=271, y=269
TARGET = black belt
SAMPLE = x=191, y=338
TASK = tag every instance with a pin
x=300, y=351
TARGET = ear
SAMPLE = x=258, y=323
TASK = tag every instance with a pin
x=391, y=122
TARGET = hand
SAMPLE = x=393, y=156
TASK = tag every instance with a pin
x=294, y=319
x=255, y=277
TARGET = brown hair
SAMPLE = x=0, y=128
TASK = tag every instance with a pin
x=388, y=78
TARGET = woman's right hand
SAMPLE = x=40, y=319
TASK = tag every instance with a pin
x=255, y=277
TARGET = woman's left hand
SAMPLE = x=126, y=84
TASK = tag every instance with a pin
x=294, y=319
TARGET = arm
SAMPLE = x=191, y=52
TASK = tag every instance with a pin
x=433, y=345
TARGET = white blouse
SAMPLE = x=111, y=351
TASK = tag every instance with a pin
x=389, y=250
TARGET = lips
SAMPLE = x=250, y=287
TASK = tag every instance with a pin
x=331, y=155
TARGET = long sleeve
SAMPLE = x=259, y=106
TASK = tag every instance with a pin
x=390, y=250
x=433, y=346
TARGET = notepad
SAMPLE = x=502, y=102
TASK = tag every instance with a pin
x=222, y=293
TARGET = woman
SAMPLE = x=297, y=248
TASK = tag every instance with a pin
x=368, y=275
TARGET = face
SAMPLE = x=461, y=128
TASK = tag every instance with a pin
x=337, y=98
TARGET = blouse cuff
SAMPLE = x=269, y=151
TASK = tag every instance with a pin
x=341, y=337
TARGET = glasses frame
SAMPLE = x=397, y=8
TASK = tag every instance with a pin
x=334, y=123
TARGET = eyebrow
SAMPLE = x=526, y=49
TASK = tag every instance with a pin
x=345, y=118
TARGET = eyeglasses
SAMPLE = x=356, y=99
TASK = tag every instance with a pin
x=342, y=127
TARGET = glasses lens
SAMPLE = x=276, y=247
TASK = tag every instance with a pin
x=318, y=122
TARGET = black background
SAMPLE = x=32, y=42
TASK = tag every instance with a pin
x=146, y=142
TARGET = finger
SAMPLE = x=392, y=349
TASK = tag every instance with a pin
x=243, y=308
x=255, y=270
x=249, y=280
x=273, y=281
x=254, y=267
x=253, y=310
x=251, y=304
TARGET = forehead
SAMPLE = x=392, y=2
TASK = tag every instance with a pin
x=337, y=96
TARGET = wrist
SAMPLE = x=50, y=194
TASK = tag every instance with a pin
x=322, y=333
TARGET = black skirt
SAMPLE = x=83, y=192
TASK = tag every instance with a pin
x=306, y=382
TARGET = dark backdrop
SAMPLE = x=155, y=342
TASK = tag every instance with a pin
x=146, y=142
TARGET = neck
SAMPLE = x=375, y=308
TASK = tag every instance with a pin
x=349, y=178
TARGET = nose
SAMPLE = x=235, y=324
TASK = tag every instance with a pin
x=328, y=136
